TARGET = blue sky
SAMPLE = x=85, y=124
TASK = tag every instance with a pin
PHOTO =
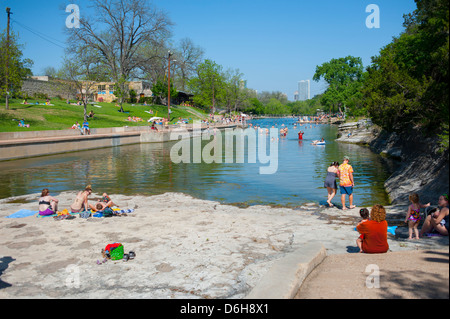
x=274, y=44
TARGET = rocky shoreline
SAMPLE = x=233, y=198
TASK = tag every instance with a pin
x=186, y=248
x=416, y=162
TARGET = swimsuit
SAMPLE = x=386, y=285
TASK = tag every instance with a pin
x=106, y=199
x=48, y=210
x=415, y=214
x=78, y=201
x=444, y=222
x=330, y=180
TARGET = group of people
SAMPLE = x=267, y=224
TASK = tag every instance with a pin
x=48, y=205
x=346, y=182
x=436, y=219
x=373, y=227
x=85, y=130
x=134, y=119
x=22, y=123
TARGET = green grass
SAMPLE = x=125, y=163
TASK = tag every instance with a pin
x=62, y=116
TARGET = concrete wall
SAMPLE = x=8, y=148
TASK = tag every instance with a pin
x=15, y=145
x=50, y=88
x=39, y=147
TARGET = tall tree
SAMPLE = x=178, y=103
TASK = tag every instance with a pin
x=18, y=67
x=83, y=69
x=208, y=86
x=235, y=91
x=119, y=29
x=188, y=57
x=407, y=84
x=344, y=77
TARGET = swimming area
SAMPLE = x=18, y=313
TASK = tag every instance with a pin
x=147, y=169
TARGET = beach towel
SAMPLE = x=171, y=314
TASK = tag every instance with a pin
x=23, y=213
x=63, y=212
x=391, y=229
x=123, y=211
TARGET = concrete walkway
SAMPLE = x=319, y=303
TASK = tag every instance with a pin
x=420, y=274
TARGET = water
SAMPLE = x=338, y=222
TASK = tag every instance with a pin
x=147, y=169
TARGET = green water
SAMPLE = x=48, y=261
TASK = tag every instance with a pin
x=147, y=169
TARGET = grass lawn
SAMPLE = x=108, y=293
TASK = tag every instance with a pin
x=61, y=115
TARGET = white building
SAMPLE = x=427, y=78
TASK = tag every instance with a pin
x=304, y=90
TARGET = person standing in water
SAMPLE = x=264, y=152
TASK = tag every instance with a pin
x=346, y=183
x=330, y=181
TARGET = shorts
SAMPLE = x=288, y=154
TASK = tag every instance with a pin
x=47, y=212
x=346, y=190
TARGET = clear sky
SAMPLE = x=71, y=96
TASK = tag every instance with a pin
x=274, y=44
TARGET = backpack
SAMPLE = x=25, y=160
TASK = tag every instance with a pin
x=114, y=251
x=108, y=212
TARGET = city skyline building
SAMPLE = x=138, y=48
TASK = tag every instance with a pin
x=304, y=90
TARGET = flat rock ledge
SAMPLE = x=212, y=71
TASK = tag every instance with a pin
x=186, y=248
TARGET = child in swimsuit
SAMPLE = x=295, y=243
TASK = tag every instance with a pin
x=413, y=217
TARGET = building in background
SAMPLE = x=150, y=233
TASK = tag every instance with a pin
x=304, y=90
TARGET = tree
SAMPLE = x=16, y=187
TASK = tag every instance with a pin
x=344, y=77
x=255, y=107
x=119, y=31
x=393, y=96
x=188, y=57
x=18, y=67
x=407, y=83
x=266, y=96
x=208, y=86
x=235, y=92
x=161, y=92
x=82, y=68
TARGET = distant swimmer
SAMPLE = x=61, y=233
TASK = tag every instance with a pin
x=300, y=135
x=321, y=142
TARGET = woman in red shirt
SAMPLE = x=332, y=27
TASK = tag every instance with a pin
x=374, y=232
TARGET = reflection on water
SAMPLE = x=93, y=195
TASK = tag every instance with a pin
x=147, y=169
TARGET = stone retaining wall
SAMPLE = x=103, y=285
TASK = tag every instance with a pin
x=51, y=89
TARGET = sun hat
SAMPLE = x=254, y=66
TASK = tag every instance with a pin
x=347, y=158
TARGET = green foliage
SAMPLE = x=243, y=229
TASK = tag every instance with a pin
x=344, y=77
x=407, y=84
x=208, y=86
x=161, y=92
x=18, y=67
x=255, y=107
x=308, y=107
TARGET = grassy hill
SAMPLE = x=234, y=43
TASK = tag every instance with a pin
x=61, y=115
